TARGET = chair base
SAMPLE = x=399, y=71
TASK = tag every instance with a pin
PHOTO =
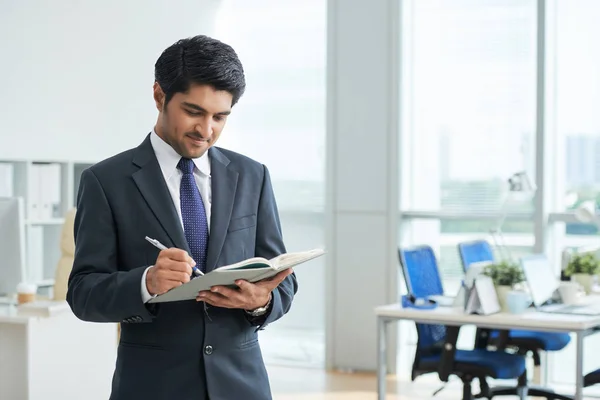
x=529, y=390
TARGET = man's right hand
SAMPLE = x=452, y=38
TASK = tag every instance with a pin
x=173, y=268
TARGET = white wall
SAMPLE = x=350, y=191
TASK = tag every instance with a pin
x=363, y=174
x=77, y=75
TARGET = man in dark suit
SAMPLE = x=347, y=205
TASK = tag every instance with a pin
x=210, y=207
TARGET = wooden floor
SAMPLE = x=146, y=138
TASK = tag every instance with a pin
x=313, y=384
x=289, y=383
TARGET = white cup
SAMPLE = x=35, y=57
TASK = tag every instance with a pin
x=26, y=292
x=571, y=292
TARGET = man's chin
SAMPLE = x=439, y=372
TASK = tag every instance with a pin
x=195, y=152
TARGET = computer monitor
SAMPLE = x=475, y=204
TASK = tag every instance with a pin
x=12, y=244
x=540, y=278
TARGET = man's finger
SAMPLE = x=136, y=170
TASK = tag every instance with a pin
x=176, y=254
x=277, y=279
x=214, y=299
x=177, y=266
x=244, y=286
x=225, y=291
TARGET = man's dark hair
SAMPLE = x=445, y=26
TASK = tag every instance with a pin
x=199, y=60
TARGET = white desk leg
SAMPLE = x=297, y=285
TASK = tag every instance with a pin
x=381, y=356
x=579, y=367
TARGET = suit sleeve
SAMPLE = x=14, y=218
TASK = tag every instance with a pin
x=97, y=290
x=269, y=244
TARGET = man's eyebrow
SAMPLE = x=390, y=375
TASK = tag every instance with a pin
x=198, y=108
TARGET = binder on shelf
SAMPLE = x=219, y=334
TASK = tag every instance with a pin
x=44, y=191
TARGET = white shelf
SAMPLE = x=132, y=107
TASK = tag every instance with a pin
x=45, y=283
x=51, y=221
x=49, y=189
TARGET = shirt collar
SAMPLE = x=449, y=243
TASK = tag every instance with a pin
x=168, y=157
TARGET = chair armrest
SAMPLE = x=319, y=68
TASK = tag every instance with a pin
x=446, y=365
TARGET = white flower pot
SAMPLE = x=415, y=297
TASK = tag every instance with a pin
x=585, y=280
x=502, y=292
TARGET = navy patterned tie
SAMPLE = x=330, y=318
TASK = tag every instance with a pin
x=195, y=224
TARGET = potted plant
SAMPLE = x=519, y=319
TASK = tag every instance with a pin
x=582, y=268
x=506, y=275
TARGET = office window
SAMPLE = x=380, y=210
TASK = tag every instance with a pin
x=468, y=101
x=444, y=235
x=280, y=121
x=576, y=62
x=468, y=119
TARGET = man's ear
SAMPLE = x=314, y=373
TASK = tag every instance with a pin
x=159, y=97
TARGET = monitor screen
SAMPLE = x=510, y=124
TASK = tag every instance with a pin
x=12, y=244
x=540, y=278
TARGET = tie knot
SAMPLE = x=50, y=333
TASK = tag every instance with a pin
x=186, y=165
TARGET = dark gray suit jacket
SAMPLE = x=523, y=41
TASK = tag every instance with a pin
x=174, y=350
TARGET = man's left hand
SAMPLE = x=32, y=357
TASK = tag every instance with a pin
x=248, y=296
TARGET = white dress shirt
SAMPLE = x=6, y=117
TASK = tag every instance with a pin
x=167, y=160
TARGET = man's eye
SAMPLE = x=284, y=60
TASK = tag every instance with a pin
x=193, y=113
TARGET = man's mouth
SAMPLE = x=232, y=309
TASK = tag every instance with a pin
x=198, y=140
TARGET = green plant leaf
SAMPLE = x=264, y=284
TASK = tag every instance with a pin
x=505, y=273
x=584, y=263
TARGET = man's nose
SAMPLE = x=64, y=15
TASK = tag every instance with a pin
x=205, y=129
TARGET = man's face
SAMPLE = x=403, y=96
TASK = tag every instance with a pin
x=193, y=121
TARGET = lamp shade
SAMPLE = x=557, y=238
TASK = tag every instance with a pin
x=520, y=182
x=586, y=212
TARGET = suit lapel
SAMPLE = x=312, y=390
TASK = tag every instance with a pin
x=223, y=187
x=152, y=186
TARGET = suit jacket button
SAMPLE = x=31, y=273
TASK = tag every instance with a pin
x=208, y=350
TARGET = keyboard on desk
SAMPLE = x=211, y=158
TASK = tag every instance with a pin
x=575, y=309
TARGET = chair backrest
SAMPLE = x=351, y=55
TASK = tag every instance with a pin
x=422, y=276
x=475, y=251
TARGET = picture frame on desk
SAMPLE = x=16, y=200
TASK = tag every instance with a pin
x=481, y=297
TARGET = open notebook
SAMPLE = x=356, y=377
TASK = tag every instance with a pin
x=252, y=270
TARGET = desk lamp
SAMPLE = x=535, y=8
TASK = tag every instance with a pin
x=586, y=213
x=519, y=185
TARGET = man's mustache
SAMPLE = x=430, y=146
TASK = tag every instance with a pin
x=195, y=136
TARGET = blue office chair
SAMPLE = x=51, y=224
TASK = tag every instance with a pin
x=436, y=346
x=522, y=341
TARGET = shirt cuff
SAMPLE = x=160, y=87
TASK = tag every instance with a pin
x=146, y=296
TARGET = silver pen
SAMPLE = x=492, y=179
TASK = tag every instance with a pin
x=161, y=246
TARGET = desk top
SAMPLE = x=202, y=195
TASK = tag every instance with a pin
x=25, y=313
x=8, y=315
x=529, y=320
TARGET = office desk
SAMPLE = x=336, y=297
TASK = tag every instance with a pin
x=450, y=316
x=57, y=357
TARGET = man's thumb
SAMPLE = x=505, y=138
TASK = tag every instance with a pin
x=242, y=284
